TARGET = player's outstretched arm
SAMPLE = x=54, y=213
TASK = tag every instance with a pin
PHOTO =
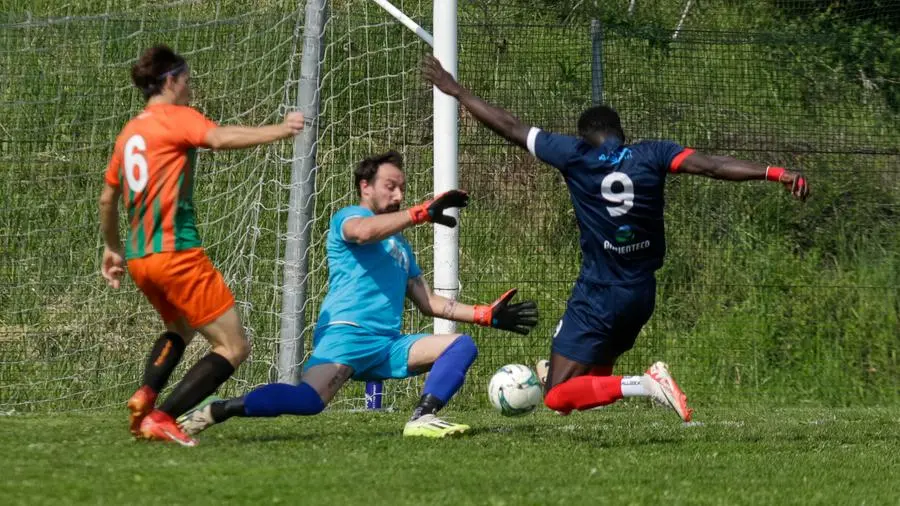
x=112, y=266
x=493, y=117
x=732, y=169
x=379, y=227
x=237, y=137
x=520, y=317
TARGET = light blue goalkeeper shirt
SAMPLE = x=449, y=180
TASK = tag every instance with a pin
x=366, y=282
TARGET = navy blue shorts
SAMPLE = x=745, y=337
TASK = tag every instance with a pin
x=601, y=322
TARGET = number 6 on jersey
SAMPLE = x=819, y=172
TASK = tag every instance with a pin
x=134, y=158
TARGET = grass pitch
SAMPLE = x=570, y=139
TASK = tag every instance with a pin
x=624, y=454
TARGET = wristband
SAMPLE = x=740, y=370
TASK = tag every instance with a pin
x=483, y=316
x=419, y=213
x=774, y=173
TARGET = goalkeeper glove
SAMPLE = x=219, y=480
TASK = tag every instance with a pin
x=792, y=181
x=519, y=318
x=433, y=210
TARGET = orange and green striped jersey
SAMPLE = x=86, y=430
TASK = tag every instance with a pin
x=153, y=165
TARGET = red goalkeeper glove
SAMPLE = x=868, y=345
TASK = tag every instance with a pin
x=793, y=181
x=433, y=210
x=519, y=318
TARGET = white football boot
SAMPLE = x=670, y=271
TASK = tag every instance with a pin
x=663, y=389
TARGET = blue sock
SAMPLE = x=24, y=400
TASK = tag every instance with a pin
x=282, y=399
x=449, y=370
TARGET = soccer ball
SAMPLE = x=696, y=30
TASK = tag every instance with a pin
x=514, y=390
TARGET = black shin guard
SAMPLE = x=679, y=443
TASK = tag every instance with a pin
x=223, y=410
x=163, y=358
x=201, y=381
x=428, y=405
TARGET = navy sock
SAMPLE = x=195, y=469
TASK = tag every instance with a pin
x=447, y=375
x=282, y=399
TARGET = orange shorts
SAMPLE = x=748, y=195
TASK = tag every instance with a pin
x=182, y=283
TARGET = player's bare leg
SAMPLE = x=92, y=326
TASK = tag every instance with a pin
x=164, y=357
x=448, y=357
x=327, y=379
x=318, y=387
x=561, y=369
x=229, y=349
x=542, y=368
x=570, y=369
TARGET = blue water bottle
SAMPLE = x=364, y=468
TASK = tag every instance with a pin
x=374, y=393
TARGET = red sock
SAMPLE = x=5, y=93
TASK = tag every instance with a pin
x=584, y=392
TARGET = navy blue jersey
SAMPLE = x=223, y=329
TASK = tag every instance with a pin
x=617, y=193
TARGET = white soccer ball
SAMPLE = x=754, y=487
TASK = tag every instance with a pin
x=515, y=390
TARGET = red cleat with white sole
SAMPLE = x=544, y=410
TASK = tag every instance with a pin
x=663, y=389
x=159, y=426
x=139, y=406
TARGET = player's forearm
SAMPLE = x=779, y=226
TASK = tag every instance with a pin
x=497, y=119
x=376, y=228
x=732, y=169
x=449, y=309
x=109, y=225
x=237, y=137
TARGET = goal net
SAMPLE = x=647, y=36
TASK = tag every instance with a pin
x=67, y=341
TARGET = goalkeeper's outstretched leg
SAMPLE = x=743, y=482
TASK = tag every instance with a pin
x=448, y=357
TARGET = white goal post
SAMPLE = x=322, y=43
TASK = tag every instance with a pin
x=446, y=144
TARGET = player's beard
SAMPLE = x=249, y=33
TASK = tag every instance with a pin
x=392, y=208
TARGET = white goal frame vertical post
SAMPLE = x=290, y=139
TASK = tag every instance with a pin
x=302, y=200
x=446, y=145
x=446, y=148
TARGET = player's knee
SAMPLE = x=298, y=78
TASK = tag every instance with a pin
x=305, y=400
x=554, y=400
x=236, y=351
x=242, y=350
x=466, y=347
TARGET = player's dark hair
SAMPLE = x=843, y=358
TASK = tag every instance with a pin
x=155, y=65
x=602, y=120
x=368, y=168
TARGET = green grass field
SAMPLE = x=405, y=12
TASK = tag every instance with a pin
x=623, y=454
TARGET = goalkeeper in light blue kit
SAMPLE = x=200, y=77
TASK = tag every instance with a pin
x=372, y=269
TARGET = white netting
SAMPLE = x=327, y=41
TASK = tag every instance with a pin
x=373, y=100
x=68, y=342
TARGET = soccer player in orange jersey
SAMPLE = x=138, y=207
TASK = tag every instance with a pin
x=152, y=172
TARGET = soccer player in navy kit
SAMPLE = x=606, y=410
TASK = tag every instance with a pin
x=617, y=193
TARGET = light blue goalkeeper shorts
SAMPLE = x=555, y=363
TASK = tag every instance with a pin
x=372, y=357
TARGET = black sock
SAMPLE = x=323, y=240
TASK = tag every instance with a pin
x=201, y=381
x=163, y=358
x=428, y=405
x=223, y=410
